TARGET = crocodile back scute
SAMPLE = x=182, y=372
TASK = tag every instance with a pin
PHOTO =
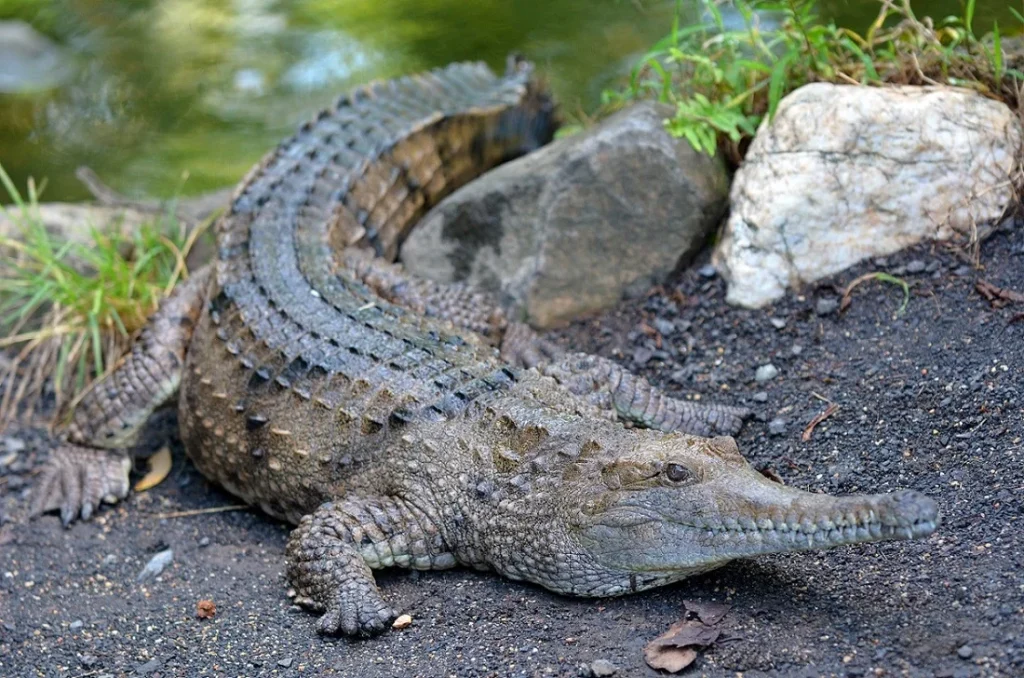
x=295, y=360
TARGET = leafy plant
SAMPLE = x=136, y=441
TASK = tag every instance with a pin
x=70, y=307
x=725, y=76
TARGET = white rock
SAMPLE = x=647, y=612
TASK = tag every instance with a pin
x=843, y=173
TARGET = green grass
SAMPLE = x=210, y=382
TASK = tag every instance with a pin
x=68, y=309
x=723, y=82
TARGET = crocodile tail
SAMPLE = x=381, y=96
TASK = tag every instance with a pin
x=535, y=120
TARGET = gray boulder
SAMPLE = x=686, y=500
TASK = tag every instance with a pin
x=572, y=228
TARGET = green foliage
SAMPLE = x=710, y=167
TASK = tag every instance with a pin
x=72, y=306
x=725, y=76
x=44, y=16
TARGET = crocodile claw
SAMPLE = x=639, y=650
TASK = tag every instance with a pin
x=356, y=620
x=77, y=480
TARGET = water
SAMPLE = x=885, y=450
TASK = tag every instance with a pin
x=152, y=91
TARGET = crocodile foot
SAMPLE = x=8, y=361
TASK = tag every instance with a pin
x=77, y=479
x=330, y=576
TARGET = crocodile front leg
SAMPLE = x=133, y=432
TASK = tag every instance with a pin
x=92, y=465
x=609, y=386
x=331, y=553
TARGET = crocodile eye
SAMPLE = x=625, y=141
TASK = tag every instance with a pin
x=677, y=473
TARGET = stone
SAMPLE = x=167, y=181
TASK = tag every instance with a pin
x=826, y=306
x=916, y=266
x=846, y=173
x=156, y=565
x=574, y=227
x=602, y=668
x=766, y=373
x=965, y=652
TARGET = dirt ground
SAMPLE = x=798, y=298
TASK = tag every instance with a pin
x=932, y=399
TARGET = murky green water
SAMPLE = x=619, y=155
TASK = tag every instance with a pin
x=152, y=89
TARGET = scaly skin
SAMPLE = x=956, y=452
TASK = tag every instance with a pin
x=325, y=387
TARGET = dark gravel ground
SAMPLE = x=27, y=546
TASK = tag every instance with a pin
x=932, y=400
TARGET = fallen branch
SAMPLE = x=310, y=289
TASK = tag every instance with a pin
x=829, y=411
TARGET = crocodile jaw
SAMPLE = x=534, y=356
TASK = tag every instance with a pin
x=670, y=543
x=804, y=521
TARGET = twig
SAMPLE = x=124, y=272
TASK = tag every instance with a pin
x=997, y=296
x=199, y=512
x=829, y=411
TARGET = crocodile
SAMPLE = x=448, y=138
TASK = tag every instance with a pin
x=399, y=422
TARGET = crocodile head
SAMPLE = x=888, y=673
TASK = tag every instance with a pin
x=677, y=506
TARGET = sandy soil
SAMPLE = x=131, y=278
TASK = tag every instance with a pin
x=932, y=399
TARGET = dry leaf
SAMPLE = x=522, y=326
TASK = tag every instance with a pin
x=159, y=467
x=671, y=659
x=684, y=634
x=404, y=621
x=676, y=649
x=709, y=613
x=205, y=609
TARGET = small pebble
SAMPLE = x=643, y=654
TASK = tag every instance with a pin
x=761, y=396
x=13, y=445
x=796, y=349
x=664, y=326
x=707, y=271
x=88, y=660
x=77, y=624
x=601, y=668
x=778, y=323
x=284, y=663
x=205, y=541
x=965, y=652
x=148, y=668
x=109, y=560
x=156, y=565
x=916, y=266
x=403, y=622
x=642, y=356
x=826, y=306
x=766, y=373
x=777, y=427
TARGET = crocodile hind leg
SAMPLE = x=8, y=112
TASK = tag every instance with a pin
x=92, y=464
x=609, y=386
x=604, y=383
x=456, y=303
x=332, y=551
